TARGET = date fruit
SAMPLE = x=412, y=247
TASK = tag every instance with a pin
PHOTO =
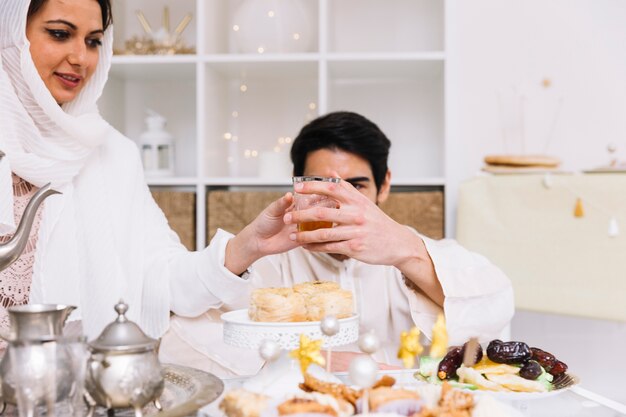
x=450, y=363
x=558, y=368
x=530, y=370
x=545, y=359
x=508, y=352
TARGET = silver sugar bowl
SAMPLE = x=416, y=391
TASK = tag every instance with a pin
x=123, y=370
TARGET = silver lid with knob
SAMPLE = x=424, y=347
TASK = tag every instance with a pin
x=123, y=335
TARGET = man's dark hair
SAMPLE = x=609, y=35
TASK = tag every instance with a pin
x=345, y=131
x=105, y=7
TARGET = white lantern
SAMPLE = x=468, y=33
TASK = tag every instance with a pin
x=157, y=147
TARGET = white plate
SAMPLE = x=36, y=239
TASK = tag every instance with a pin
x=524, y=396
x=240, y=331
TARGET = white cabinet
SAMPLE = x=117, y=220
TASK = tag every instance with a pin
x=382, y=58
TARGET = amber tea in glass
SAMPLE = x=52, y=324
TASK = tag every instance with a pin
x=308, y=226
x=305, y=201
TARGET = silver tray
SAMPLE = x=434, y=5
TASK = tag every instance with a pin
x=186, y=391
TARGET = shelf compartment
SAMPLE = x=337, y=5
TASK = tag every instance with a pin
x=169, y=89
x=279, y=98
x=127, y=24
x=385, y=25
x=405, y=99
x=289, y=26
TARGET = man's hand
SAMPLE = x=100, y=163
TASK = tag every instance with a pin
x=266, y=235
x=363, y=231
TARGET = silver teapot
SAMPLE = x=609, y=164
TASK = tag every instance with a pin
x=11, y=250
x=123, y=369
x=30, y=323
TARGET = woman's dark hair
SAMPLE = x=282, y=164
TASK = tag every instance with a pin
x=346, y=131
x=105, y=7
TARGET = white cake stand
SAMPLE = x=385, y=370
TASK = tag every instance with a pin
x=242, y=332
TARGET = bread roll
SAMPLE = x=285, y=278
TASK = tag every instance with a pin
x=277, y=305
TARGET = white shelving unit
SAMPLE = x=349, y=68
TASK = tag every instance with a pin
x=384, y=59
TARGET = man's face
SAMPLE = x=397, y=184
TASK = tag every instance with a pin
x=350, y=167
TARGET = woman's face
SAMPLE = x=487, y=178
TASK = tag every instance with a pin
x=64, y=37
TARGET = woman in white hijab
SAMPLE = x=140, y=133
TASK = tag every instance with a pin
x=103, y=238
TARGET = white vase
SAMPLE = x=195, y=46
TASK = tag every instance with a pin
x=271, y=26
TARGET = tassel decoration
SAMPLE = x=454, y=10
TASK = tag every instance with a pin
x=547, y=180
x=613, y=227
x=579, y=211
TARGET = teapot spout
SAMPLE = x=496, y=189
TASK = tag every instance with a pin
x=66, y=313
x=11, y=250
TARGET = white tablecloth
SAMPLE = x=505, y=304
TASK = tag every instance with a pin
x=558, y=263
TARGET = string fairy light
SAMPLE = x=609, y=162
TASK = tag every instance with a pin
x=232, y=138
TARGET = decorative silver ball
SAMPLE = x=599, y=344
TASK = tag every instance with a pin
x=330, y=325
x=369, y=342
x=363, y=371
x=269, y=350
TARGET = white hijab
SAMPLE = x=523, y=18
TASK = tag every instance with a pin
x=45, y=142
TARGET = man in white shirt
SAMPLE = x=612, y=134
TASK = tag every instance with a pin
x=398, y=277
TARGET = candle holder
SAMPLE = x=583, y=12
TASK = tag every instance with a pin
x=163, y=41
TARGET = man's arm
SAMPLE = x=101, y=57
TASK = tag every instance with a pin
x=418, y=268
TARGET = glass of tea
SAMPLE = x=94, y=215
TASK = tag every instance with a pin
x=305, y=201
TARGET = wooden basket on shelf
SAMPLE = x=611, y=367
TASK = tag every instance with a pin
x=180, y=209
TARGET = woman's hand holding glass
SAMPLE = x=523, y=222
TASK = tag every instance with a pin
x=266, y=235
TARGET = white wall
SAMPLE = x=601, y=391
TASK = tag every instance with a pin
x=491, y=45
